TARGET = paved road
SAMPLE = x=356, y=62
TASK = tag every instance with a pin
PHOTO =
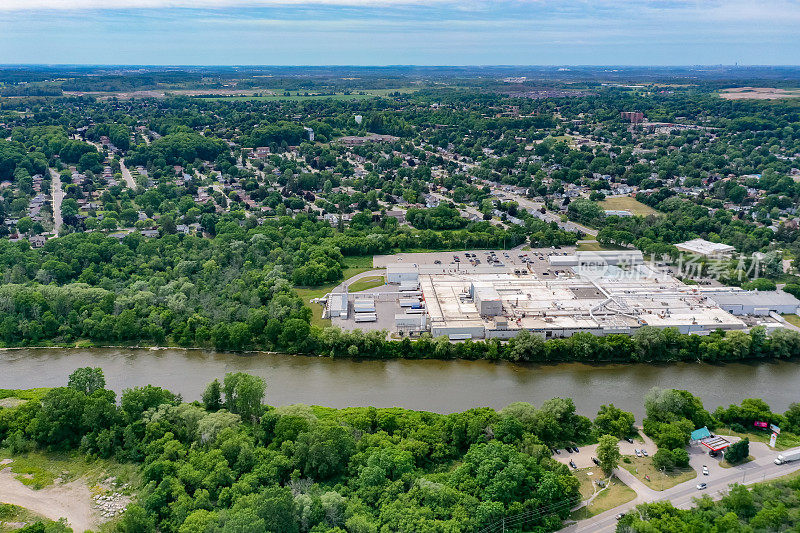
x=58, y=196
x=126, y=174
x=761, y=469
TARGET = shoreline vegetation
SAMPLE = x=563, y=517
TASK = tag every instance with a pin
x=648, y=345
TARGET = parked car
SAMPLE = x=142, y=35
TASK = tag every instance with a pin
x=630, y=440
x=437, y=262
x=595, y=461
x=705, y=470
x=555, y=451
x=620, y=516
x=575, y=449
x=573, y=465
x=701, y=486
x=644, y=452
x=638, y=453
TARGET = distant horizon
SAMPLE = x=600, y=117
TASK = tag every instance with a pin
x=399, y=32
x=401, y=65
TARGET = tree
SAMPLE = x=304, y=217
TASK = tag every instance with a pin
x=612, y=420
x=324, y=451
x=87, y=380
x=663, y=460
x=608, y=453
x=738, y=451
x=58, y=425
x=212, y=399
x=244, y=394
x=136, y=520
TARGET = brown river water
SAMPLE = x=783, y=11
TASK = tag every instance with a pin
x=439, y=386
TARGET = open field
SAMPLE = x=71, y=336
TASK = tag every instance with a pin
x=594, y=246
x=642, y=468
x=627, y=203
x=758, y=93
x=613, y=495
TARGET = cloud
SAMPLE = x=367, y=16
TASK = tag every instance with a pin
x=31, y=5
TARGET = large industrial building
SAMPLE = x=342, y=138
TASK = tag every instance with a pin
x=500, y=305
x=553, y=294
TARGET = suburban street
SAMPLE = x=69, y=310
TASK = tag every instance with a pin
x=126, y=174
x=58, y=195
x=530, y=205
x=762, y=468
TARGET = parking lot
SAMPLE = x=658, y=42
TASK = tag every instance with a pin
x=517, y=259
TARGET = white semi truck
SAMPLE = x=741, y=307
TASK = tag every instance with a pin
x=787, y=457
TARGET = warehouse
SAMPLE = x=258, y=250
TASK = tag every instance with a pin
x=499, y=305
x=758, y=303
x=337, y=305
x=706, y=248
x=401, y=273
x=598, y=258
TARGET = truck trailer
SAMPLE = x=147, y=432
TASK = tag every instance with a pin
x=787, y=457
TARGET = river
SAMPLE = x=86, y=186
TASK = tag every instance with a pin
x=439, y=386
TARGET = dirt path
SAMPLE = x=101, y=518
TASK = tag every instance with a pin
x=72, y=500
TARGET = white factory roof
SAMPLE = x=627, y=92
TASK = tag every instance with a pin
x=599, y=305
x=755, y=298
x=402, y=268
x=704, y=247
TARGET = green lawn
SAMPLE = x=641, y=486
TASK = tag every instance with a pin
x=613, y=495
x=594, y=246
x=792, y=319
x=726, y=464
x=366, y=283
x=39, y=469
x=627, y=203
x=643, y=466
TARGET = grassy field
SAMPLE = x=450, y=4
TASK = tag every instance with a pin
x=594, y=246
x=626, y=203
x=354, y=265
x=643, y=466
x=726, y=464
x=793, y=320
x=38, y=469
x=613, y=495
x=12, y=515
x=366, y=283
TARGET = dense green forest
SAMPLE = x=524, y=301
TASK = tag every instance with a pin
x=230, y=464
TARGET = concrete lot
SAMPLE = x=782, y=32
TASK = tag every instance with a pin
x=385, y=311
x=537, y=257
